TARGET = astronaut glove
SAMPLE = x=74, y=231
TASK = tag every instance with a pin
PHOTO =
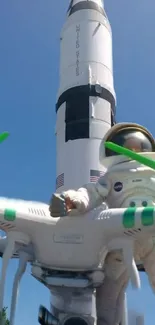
x=57, y=206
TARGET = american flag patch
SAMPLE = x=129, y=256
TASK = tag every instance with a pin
x=95, y=175
x=60, y=181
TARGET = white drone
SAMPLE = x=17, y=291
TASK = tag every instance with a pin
x=64, y=255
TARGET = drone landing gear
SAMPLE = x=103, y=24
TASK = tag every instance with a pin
x=13, y=239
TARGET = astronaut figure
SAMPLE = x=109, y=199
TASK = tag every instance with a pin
x=126, y=183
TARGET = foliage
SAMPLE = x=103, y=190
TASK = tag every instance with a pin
x=3, y=317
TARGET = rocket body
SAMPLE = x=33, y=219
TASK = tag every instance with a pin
x=86, y=98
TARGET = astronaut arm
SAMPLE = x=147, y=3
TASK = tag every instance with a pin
x=88, y=197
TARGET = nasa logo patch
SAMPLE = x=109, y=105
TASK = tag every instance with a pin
x=118, y=186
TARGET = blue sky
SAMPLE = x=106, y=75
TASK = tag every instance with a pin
x=29, y=63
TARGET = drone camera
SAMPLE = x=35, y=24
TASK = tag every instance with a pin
x=75, y=321
x=45, y=317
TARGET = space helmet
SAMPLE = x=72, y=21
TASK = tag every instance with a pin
x=129, y=135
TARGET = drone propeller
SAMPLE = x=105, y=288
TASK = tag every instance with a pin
x=3, y=136
x=131, y=154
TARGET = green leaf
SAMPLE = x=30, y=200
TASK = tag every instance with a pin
x=3, y=316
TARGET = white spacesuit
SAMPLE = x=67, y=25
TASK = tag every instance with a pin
x=126, y=183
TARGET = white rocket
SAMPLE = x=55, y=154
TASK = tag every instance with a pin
x=86, y=99
x=85, y=111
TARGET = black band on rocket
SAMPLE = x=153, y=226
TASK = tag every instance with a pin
x=89, y=5
x=88, y=90
x=77, y=109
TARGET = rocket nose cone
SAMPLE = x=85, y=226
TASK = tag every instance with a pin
x=88, y=4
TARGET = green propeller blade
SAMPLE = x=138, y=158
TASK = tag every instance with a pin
x=3, y=136
x=131, y=154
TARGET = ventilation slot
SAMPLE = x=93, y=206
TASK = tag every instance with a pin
x=6, y=226
x=38, y=212
x=132, y=232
